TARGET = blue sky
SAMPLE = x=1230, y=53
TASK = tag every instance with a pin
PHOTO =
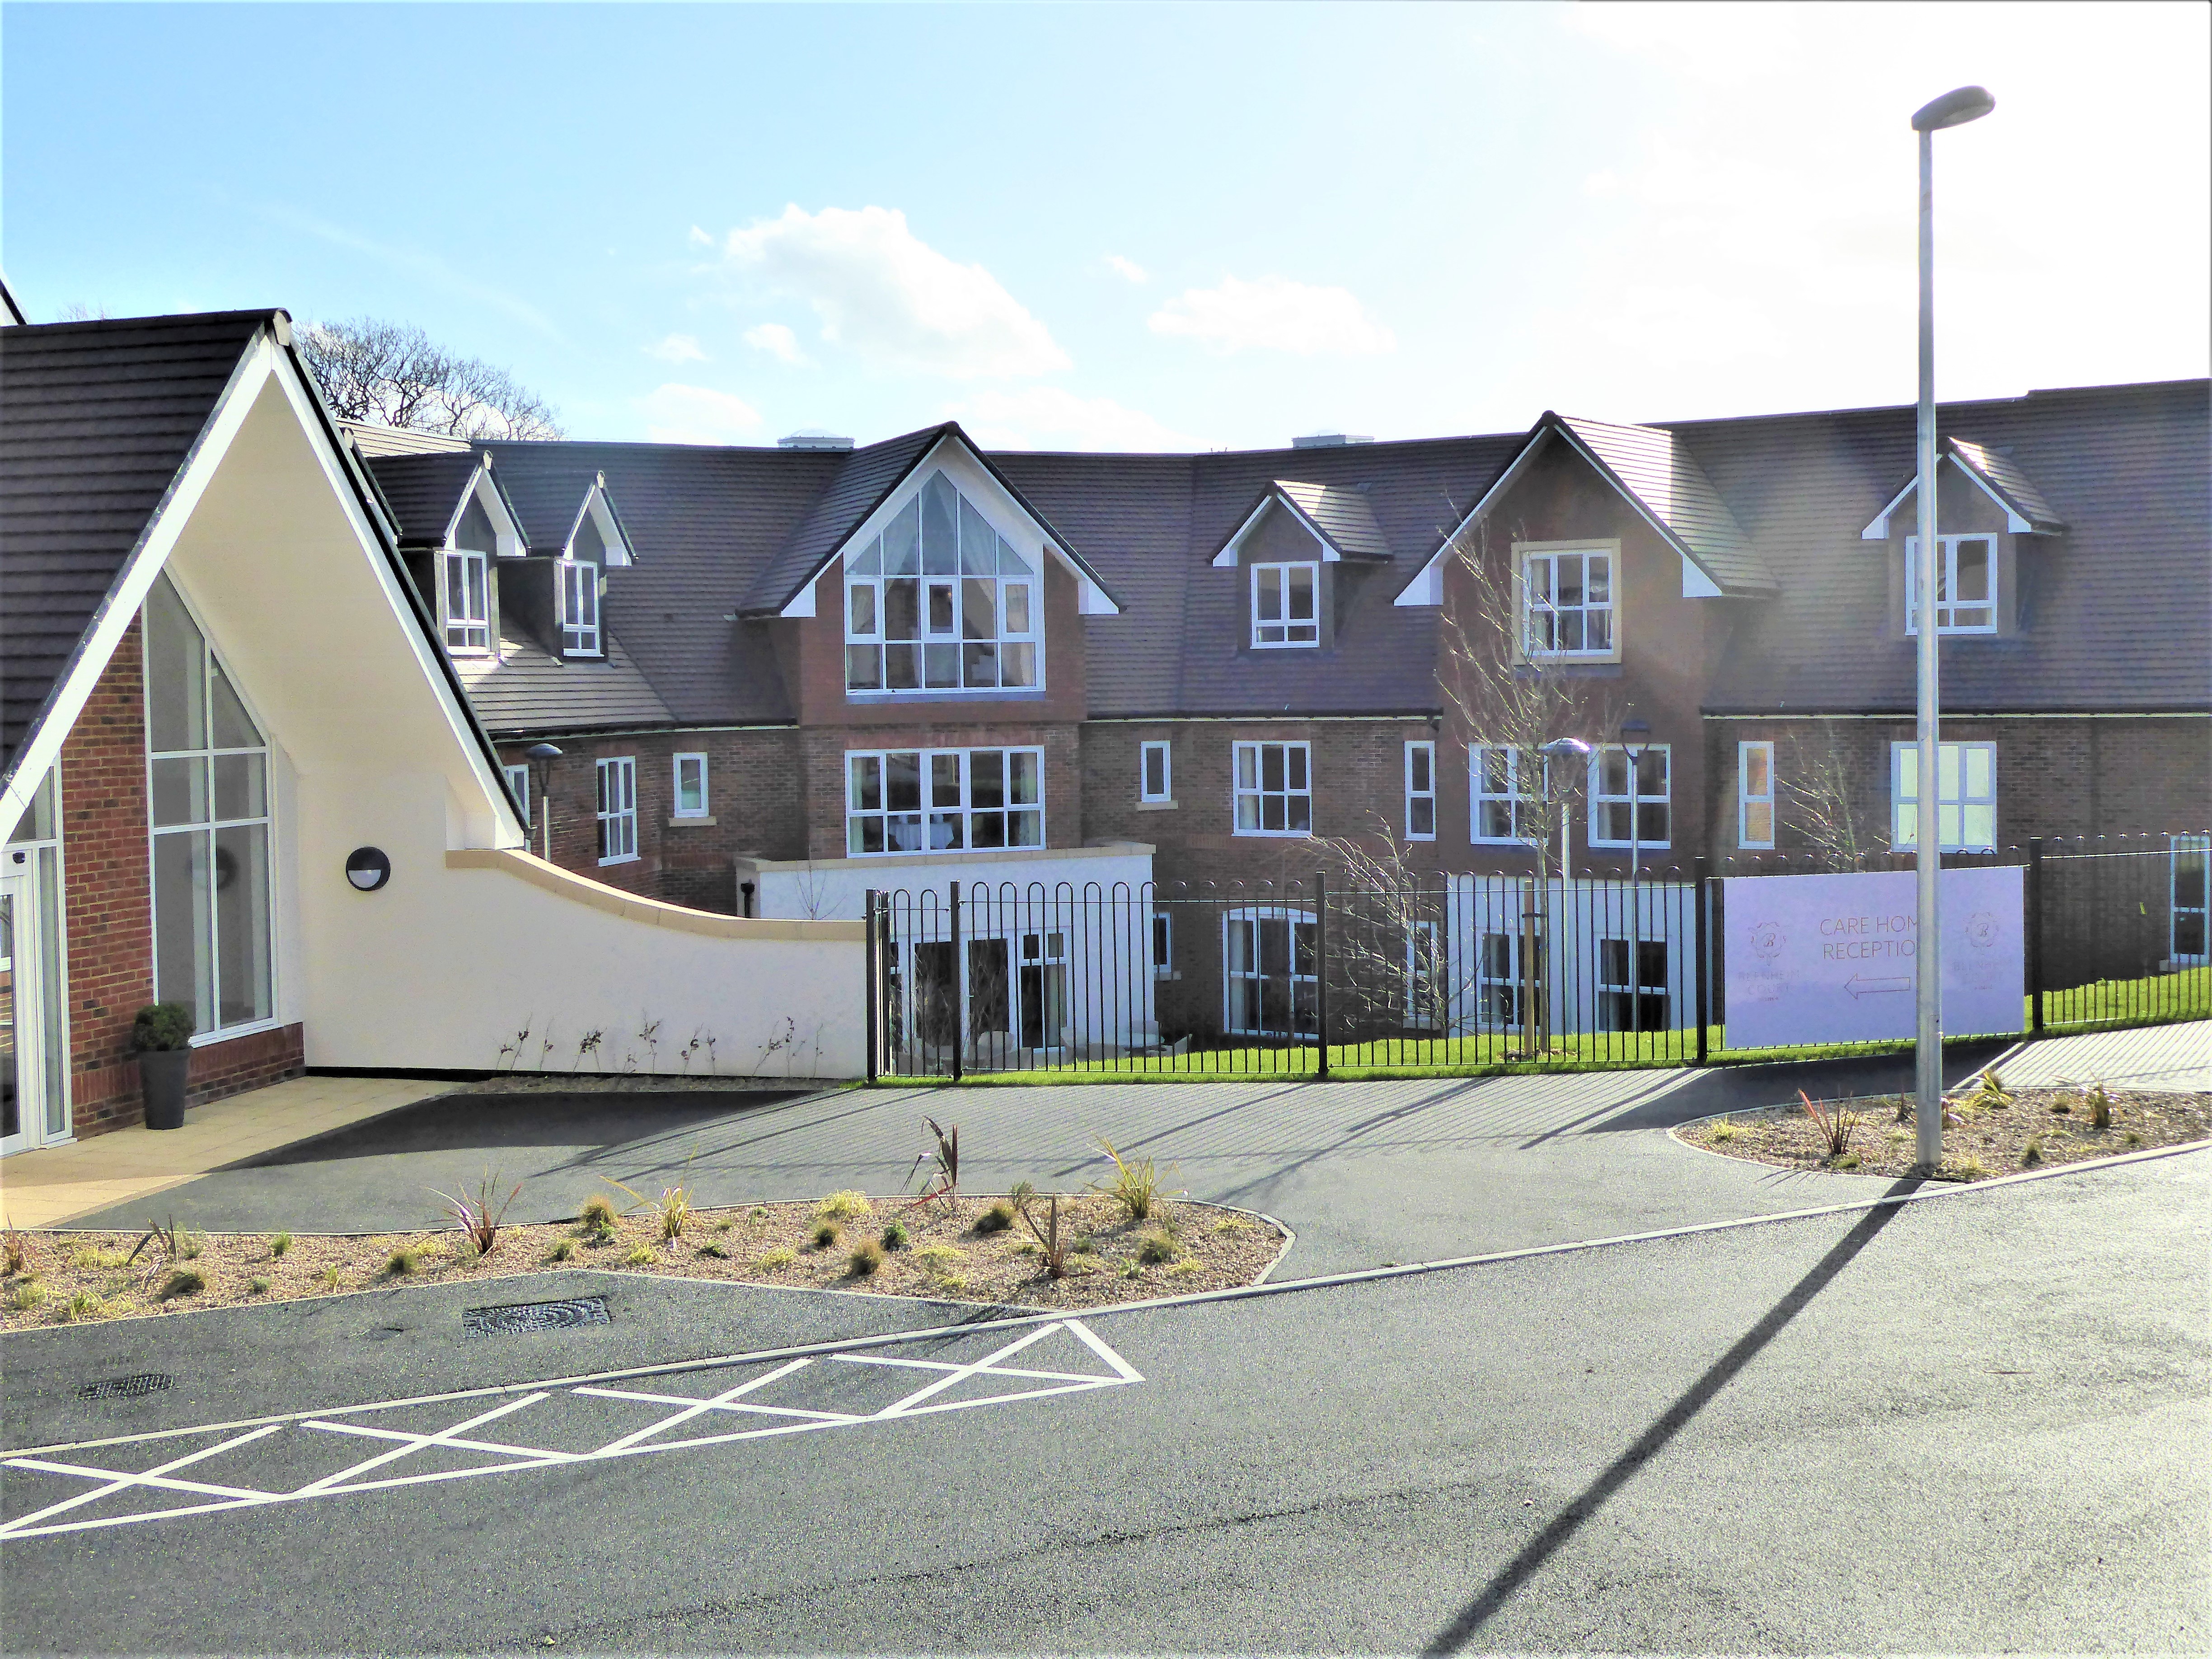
x=1133, y=226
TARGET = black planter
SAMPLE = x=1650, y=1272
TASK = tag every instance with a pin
x=161, y=1080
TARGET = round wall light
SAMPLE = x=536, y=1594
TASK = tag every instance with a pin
x=367, y=869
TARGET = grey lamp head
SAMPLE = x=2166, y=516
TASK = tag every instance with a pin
x=542, y=751
x=1564, y=746
x=1952, y=109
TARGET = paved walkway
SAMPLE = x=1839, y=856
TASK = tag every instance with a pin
x=52, y=1185
x=2154, y=1057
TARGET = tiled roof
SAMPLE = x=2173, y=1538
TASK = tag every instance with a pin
x=424, y=490
x=866, y=477
x=526, y=690
x=1342, y=514
x=1665, y=477
x=1997, y=467
x=374, y=440
x=96, y=421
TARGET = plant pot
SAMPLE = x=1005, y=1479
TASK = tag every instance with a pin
x=161, y=1081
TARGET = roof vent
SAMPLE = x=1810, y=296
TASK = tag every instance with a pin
x=1329, y=440
x=813, y=437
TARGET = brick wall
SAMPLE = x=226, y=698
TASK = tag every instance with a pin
x=108, y=1096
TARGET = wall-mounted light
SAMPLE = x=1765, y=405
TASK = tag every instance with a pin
x=368, y=868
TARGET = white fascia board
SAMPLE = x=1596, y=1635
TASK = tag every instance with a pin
x=1878, y=530
x=1429, y=578
x=620, y=553
x=140, y=566
x=1004, y=513
x=1695, y=585
x=1226, y=559
x=508, y=830
x=503, y=526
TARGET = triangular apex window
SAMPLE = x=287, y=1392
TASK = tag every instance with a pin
x=941, y=602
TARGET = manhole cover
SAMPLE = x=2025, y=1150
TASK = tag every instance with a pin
x=525, y=1317
x=124, y=1387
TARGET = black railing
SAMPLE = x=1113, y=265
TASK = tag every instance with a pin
x=1449, y=973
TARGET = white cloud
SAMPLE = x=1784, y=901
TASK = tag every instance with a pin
x=678, y=349
x=679, y=414
x=700, y=238
x=1052, y=417
x=1274, y=315
x=1129, y=270
x=779, y=342
x=884, y=292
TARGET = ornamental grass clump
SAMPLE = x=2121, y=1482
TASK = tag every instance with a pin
x=1047, y=1233
x=1836, y=1125
x=868, y=1255
x=997, y=1218
x=474, y=1215
x=2101, y=1108
x=598, y=1215
x=1134, y=1184
x=843, y=1206
x=895, y=1236
x=826, y=1235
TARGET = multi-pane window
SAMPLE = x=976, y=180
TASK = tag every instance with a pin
x=1163, y=944
x=1286, y=605
x=691, y=786
x=1424, y=990
x=943, y=801
x=941, y=602
x=1420, y=791
x=580, y=608
x=1637, y=1004
x=208, y=779
x=2192, y=901
x=1754, y=795
x=1156, y=773
x=518, y=785
x=465, y=598
x=1271, y=963
x=1629, y=801
x=1274, y=789
x=1502, y=805
x=617, y=809
x=1501, y=981
x=1965, y=797
x=1966, y=584
x=1567, y=605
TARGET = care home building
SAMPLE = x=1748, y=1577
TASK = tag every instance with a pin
x=779, y=677
x=241, y=771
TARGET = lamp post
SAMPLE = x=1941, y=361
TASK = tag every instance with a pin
x=1635, y=739
x=542, y=756
x=1952, y=109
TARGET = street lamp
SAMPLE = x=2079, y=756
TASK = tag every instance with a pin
x=543, y=754
x=1635, y=739
x=1952, y=109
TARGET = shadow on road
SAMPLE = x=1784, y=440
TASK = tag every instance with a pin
x=1586, y=1503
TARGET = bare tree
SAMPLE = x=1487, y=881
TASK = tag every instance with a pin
x=396, y=375
x=1826, y=806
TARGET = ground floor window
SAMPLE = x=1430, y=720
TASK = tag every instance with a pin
x=691, y=786
x=617, y=809
x=2193, y=901
x=1501, y=978
x=940, y=800
x=1424, y=986
x=1163, y=944
x=1270, y=965
x=1966, y=799
x=34, y=1055
x=1420, y=791
x=1636, y=1003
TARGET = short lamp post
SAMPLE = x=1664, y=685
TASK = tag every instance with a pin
x=1952, y=109
x=541, y=757
x=1635, y=739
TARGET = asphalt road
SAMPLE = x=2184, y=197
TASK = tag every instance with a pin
x=1364, y=1173
x=1971, y=1423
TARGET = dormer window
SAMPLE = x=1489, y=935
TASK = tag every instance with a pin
x=1966, y=584
x=465, y=599
x=941, y=602
x=1285, y=606
x=580, y=608
x=1567, y=604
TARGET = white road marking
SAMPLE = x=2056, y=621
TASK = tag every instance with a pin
x=117, y=1480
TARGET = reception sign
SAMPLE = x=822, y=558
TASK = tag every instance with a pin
x=1832, y=958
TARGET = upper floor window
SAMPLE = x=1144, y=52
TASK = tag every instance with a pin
x=691, y=786
x=941, y=602
x=943, y=801
x=1629, y=803
x=580, y=608
x=1286, y=605
x=1965, y=798
x=1502, y=805
x=1420, y=791
x=1274, y=789
x=1754, y=795
x=465, y=599
x=1156, y=776
x=518, y=785
x=1966, y=584
x=1567, y=604
x=618, y=809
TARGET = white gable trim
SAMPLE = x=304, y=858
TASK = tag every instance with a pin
x=1226, y=559
x=1695, y=585
x=503, y=525
x=999, y=508
x=1878, y=530
x=620, y=553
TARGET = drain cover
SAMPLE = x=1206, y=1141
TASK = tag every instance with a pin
x=124, y=1387
x=527, y=1316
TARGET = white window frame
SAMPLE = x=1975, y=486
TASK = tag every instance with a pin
x=1603, y=800
x=931, y=817
x=2198, y=847
x=465, y=635
x=1165, y=795
x=1292, y=632
x=1960, y=808
x=1421, y=759
x=579, y=593
x=1948, y=606
x=677, y=808
x=1255, y=917
x=618, y=822
x=1260, y=795
x=1424, y=1012
x=1549, y=557
x=1611, y=987
x=1161, y=943
x=1521, y=806
x=518, y=783
x=1747, y=799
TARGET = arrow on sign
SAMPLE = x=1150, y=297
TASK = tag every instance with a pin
x=1859, y=987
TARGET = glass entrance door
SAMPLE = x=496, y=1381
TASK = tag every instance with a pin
x=21, y=1072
